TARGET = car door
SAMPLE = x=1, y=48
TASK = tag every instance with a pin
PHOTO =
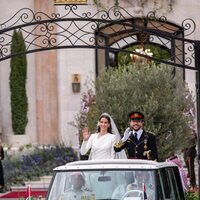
x=169, y=184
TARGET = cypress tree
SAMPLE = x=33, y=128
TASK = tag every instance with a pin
x=19, y=102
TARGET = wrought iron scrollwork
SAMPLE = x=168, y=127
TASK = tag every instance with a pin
x=114, y=29
x=189, y=26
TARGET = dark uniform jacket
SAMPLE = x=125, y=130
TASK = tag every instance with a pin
x=145, y=148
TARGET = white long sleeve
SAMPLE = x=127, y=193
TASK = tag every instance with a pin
x=101, y=147
x=86, y=145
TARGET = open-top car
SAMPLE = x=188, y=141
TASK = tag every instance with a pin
x=117, y=179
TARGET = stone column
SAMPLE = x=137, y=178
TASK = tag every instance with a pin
x=46, y=86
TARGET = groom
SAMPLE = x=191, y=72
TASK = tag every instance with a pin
x=138, y=143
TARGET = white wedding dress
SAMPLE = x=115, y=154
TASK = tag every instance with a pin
x=102, y=147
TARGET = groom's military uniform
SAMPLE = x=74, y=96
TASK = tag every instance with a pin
x=142, y=148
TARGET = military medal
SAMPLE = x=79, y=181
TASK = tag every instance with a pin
x=145, y=144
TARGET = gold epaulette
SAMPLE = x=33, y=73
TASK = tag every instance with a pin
x=118, y=144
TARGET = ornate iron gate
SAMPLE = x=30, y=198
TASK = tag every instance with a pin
x=109, y=31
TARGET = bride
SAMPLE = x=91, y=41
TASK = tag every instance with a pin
x=102, y=142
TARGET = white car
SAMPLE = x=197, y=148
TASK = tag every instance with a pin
x=126, y=179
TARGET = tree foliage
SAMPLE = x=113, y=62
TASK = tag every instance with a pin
x=18, y=65
x=157, y=4
x=164, y=99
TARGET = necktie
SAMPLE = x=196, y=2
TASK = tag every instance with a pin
x=136, y=136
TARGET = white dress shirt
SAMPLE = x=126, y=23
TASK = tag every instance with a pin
x=139, y=133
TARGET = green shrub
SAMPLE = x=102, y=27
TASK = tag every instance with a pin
x=30, y=164
x=191, y=196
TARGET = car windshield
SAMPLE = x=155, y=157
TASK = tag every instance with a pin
x=103, y=184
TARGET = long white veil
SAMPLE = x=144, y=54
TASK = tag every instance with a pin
x=121, y=154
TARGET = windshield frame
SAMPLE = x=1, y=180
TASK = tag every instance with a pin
x=117, y=172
